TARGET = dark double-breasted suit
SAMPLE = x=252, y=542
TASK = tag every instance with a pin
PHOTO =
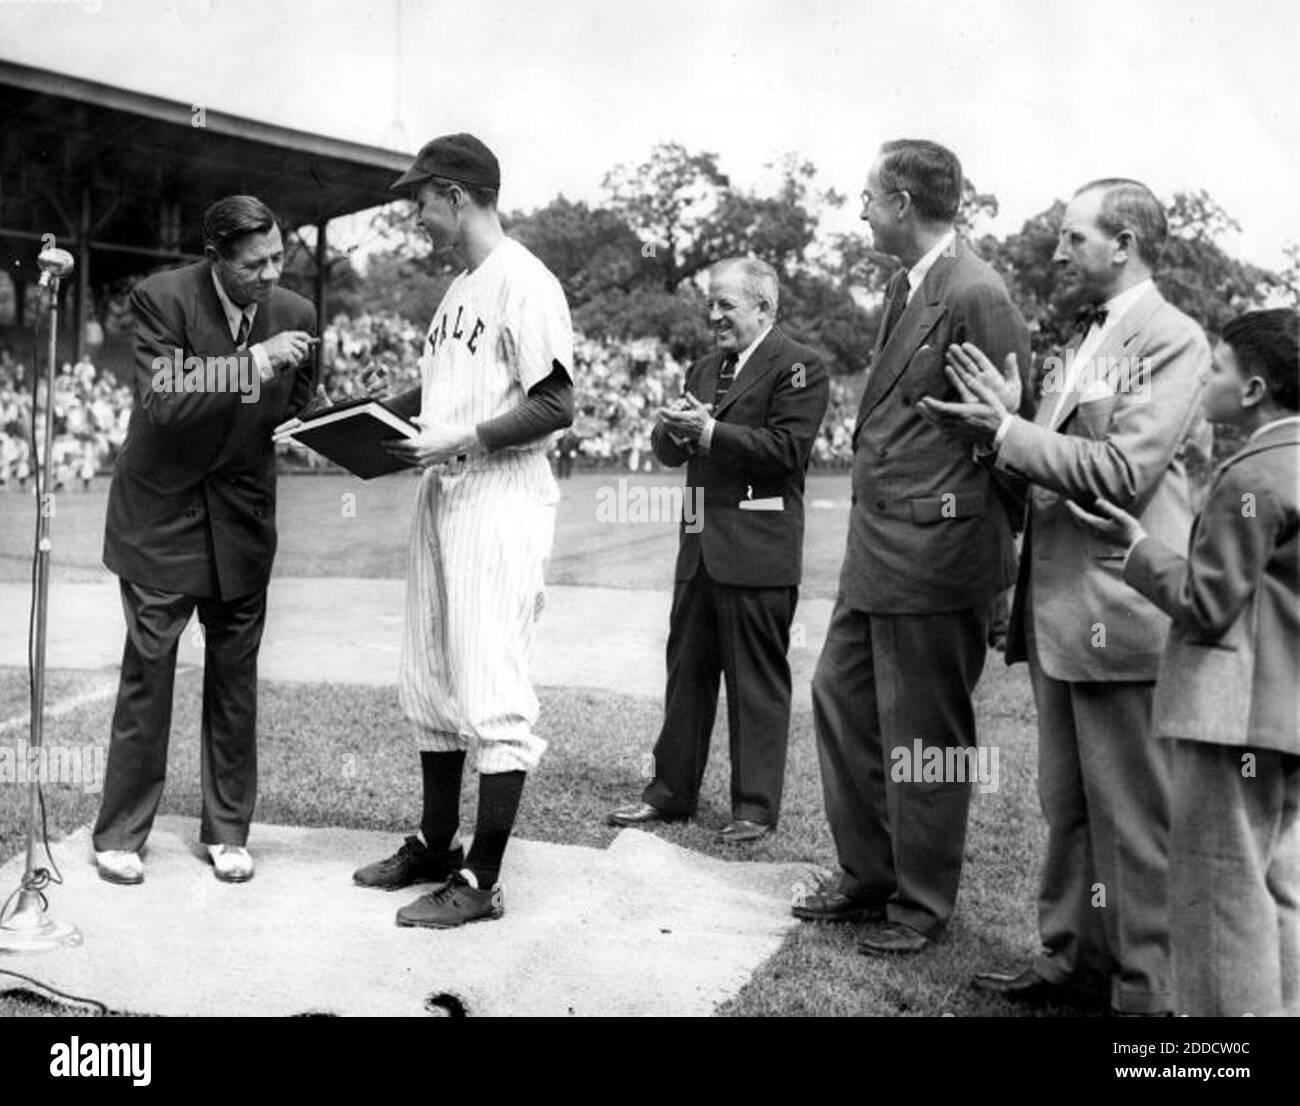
x=738, y=570
x=929, y=547
x=191, y=523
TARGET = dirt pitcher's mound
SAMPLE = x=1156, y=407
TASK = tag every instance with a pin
x=640, y=928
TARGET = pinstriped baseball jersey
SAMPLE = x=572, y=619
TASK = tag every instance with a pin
x=480, y=536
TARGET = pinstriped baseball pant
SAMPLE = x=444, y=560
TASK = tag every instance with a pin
x=474, y=590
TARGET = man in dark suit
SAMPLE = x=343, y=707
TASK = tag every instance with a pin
x=222, y=356
x=746, y=426
x=1115, y=422
x=929, y=548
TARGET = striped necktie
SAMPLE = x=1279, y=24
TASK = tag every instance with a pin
x=244, y=327
x=726, y=374
x=897, y=305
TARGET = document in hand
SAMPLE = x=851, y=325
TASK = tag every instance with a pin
x=352, y=435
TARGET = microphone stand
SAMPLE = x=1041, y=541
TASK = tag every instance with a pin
x=28, y=927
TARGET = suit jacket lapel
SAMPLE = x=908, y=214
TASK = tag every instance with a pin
x=212, y=318
x=918, y=317
x=758, y=366
x=1115, y=344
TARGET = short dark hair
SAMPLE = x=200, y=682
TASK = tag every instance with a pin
x=480, y=195
x=1267, y=345
x=229, y=219
x=926, y=171
x=1129, y=205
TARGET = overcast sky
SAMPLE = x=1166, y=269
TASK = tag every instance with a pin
x=1036, y=96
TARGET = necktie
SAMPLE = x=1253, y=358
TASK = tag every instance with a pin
x=1088, y=317
x=244, y=327
x=897, y=305
x=726, y=374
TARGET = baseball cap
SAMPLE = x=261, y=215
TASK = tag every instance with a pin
x=459, y=157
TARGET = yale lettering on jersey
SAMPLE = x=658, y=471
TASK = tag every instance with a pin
x=439, y=333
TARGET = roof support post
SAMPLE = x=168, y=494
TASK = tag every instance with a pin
x=321, y=242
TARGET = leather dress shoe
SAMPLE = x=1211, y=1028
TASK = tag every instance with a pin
x=231, y=863
x=892, y=939
x=120, y=866
x=740, y=831
x=825, y=902
x=640, y=814
x=1031, y=989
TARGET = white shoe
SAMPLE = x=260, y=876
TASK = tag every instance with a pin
x=231, y=863
x=120, y=866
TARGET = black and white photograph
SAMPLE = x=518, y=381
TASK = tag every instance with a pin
x=739, y=508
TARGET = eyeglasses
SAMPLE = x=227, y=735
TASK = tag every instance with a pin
x=868, y=196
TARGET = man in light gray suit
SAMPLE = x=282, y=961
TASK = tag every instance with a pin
x=1113, y=422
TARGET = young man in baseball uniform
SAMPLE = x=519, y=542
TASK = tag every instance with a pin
x=496, y=384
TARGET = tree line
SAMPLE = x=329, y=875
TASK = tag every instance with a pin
x=630, y=265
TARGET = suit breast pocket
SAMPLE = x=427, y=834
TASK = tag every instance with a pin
x=925, y=375
x=1093, y=414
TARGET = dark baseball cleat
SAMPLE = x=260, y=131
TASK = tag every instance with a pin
x=412, y=863
x=452, y=905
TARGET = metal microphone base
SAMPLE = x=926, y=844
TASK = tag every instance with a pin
x=29, y=928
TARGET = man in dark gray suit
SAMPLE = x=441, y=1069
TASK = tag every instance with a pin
x=929, y=548
x=221, y=357
x=745, y=428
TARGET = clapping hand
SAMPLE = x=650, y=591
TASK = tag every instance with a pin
x=684, y=419
x=987, y=395
x=1108, y=522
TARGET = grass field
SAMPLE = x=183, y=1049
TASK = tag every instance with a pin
x=338, y=755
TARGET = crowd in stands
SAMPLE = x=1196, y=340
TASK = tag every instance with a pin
x=91, y=411
x=619, y=386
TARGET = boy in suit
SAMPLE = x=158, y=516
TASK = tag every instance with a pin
x=1227, y=694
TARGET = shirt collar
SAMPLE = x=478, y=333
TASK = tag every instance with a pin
x=917, y=273
x=234, y=313
x=1270, y=425
x=744, y=354
x=1117, y=305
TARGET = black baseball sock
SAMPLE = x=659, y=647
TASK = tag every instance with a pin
x=441, y=817
x=498, y=802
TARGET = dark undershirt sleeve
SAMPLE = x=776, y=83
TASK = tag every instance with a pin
x=549, y=407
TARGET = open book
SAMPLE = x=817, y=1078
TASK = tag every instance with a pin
x=352, y=434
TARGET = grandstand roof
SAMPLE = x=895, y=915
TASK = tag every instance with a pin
x=122, y=178
x=140, y=154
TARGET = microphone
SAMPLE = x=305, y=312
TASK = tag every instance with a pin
x=54, y=263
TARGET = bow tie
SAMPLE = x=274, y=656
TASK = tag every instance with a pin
x=1088, y=317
